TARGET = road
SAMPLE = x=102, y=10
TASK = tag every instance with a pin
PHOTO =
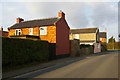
x=97, y=66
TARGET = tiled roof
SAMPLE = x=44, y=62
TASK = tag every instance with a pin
x=85, y=30
x=35, y=23
x=87, y=41
x=102, y=34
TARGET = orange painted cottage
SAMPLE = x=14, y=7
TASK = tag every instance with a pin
x=54, y=30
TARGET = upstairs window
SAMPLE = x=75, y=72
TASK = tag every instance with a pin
x=18, y=32
x=43, y=30
x=77, y=36
x=31, y=31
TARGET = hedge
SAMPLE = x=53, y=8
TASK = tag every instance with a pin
x=86, y=46
x=23, y=51
x=86, y=49
x=103, y=47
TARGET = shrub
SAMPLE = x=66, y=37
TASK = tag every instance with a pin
x=86, y=49
x=22, y=51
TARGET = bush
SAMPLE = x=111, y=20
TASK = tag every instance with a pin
x=103, y=47
x=84, y=46
x=22, y=51
x=86, y=49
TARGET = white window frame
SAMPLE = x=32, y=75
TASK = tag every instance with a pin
x=31, y=31
x=43, y=32
x=77, y=36
x=19, y=31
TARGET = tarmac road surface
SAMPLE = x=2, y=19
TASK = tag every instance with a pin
x=102, y=66
x=96, y=66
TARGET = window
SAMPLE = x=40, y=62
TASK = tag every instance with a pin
x=77, y=36
x=31, y=31
x=18, y=32
x=43, y=30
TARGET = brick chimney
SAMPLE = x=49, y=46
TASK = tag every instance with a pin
x=61, y=14
x=18, y=20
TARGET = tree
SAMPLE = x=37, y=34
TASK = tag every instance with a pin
x=111, y=40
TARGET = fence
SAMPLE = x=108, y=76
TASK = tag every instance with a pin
x=113, y=46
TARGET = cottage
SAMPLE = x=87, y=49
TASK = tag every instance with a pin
x=89, y=36
x=54, y=30
x=86, y=35
x=103, y=37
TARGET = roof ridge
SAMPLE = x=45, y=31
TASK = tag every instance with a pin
x=102, y=32
x=90, y=28
x=85, y=28
x=36, y=22
x=40, y=19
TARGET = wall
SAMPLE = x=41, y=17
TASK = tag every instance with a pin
x=62, y=42
x=51, y=34
x=113, y=46
x=97, y=36
x=25, y=31
x=11, y=32
x=84, y=37
x=74, y=47
x=79, y=50
x=50, y=37
x=71, y=36
x=87, y=37
x=97, y=47
x=103, y=40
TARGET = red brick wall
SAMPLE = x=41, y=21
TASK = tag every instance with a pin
x=62, y=42
x=51, y=34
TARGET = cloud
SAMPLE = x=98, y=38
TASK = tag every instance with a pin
x=105, y=15
x=59, y=0
x=75, y=12
x=78, y=14
x=81, y=14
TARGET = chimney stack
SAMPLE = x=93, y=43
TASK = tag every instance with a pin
x=18, y=20
x=61, y=14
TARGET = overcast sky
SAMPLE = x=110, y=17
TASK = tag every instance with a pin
x=81, y=14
